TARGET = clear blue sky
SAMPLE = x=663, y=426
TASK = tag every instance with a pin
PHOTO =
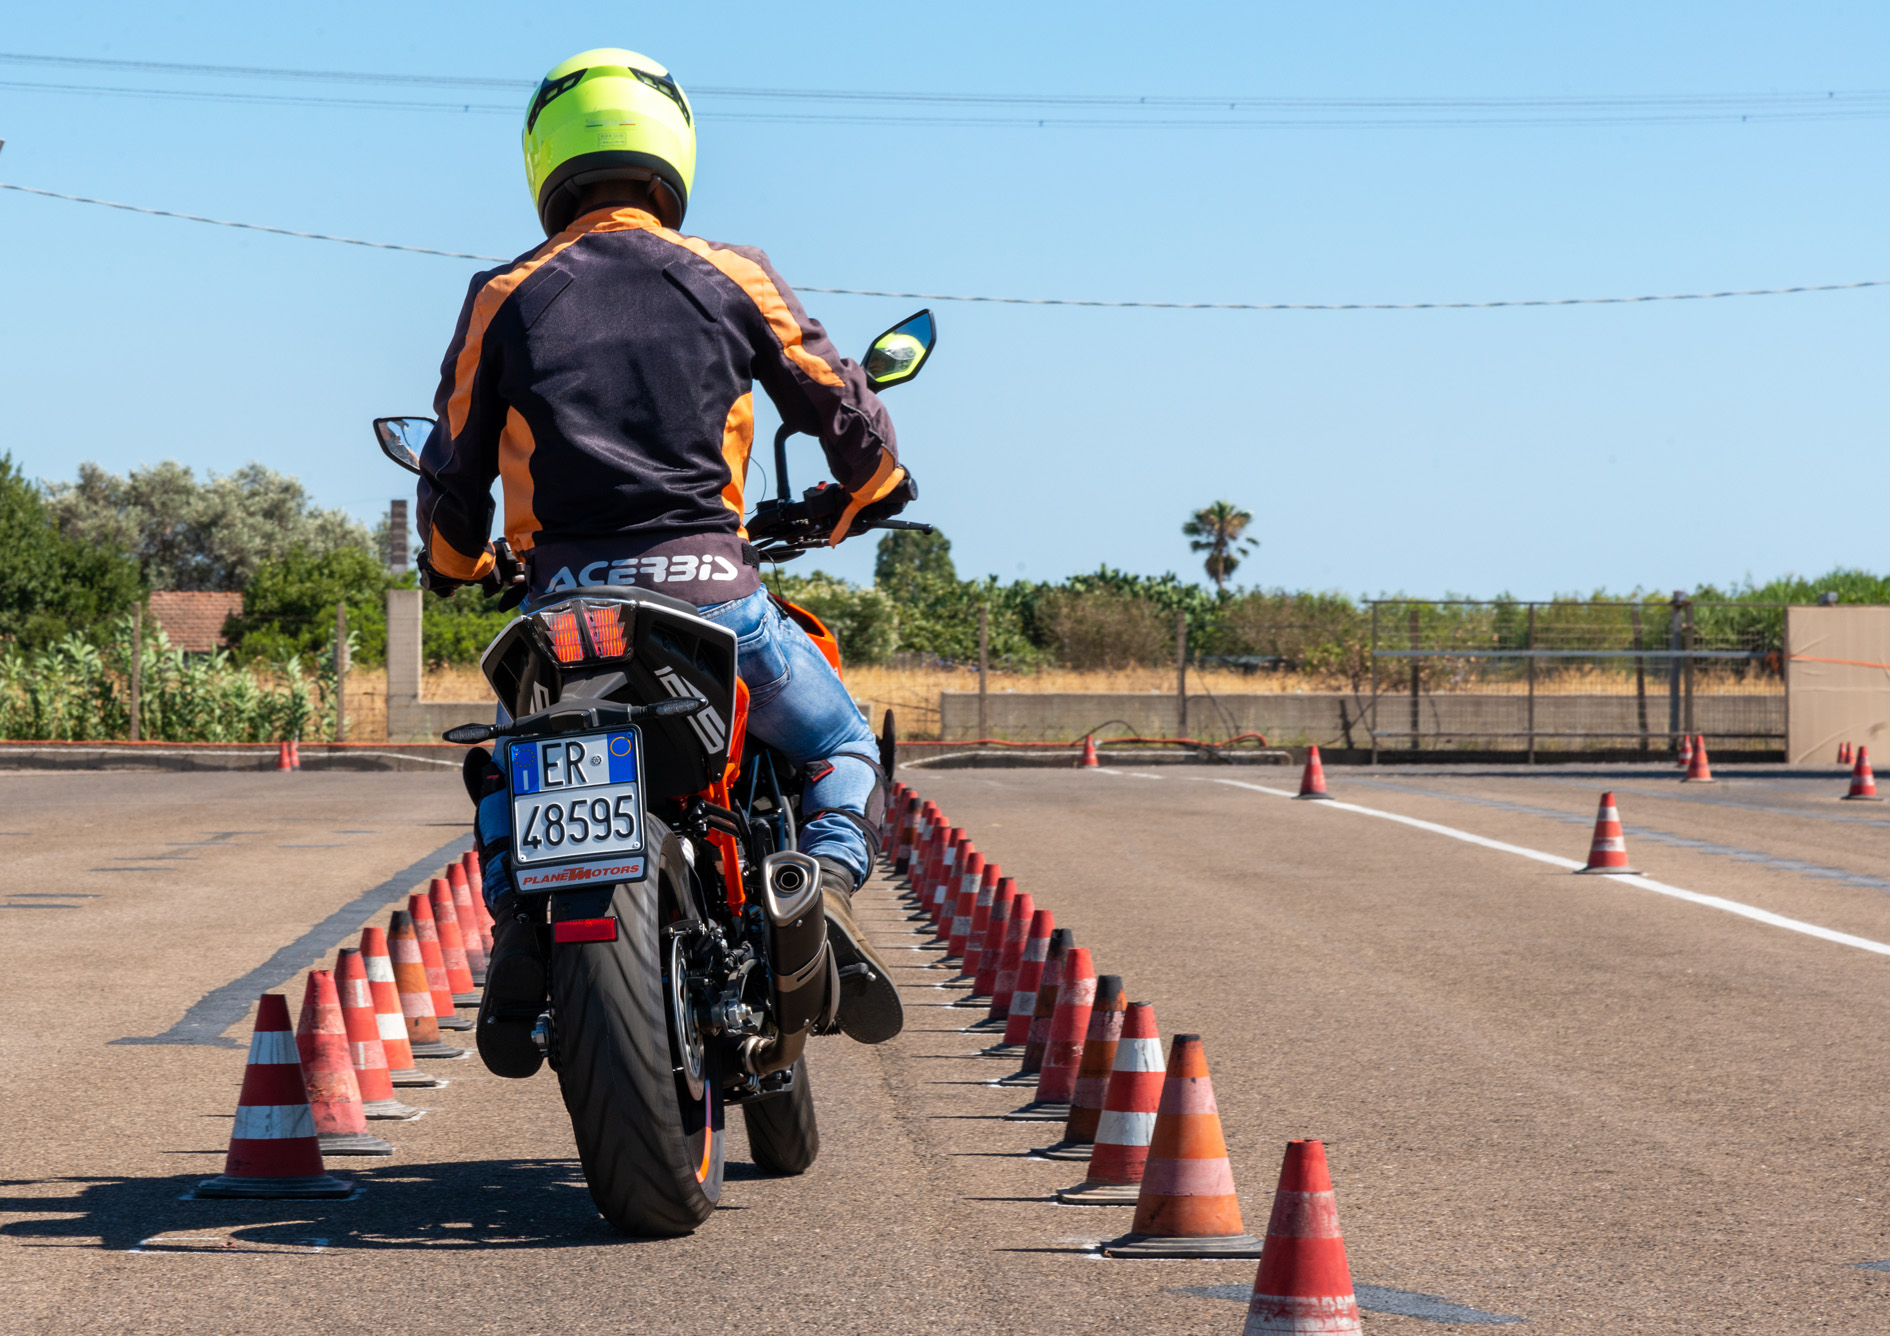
x=1533, y=451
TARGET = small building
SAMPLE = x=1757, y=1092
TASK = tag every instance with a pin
x=193, y=620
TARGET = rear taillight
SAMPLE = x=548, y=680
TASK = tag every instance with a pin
x=566, y=643
x=582, y=630
x=585, y=930
x=607, y=636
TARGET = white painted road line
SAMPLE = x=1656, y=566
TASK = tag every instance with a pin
x=1752, y=912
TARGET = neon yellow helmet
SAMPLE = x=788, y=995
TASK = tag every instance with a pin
x=607, y=115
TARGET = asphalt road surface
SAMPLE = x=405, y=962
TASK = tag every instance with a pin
x=1591, y=1105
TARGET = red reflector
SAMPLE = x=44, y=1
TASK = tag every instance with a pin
x=566, y=644
x=585, y=930
x=607, y=630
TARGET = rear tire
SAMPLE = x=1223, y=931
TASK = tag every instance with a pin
x=782, y=1133
x=651, y=1150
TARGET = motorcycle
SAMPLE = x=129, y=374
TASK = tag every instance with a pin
x=654, y=853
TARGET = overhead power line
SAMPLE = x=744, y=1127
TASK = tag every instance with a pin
x=1144, y=111
x=1023, y=301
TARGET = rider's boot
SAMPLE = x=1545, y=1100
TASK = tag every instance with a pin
x=515, y=994
x=870, y=1010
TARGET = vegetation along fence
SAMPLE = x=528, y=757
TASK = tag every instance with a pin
x=1565, y=676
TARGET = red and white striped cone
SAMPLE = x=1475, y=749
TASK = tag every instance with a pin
x=427, y=935
x=919, y=867
x=938, y=900
x=1187, y=1207
x=889, y=814
x=1685, y=755
x=365, y=1050
x=1127, y=1123
x=1063, y=1048
x=1844, y=753
x=1088, y=760
x=273, y=1149
x=1043, y=1011
x=390, y=1014
x=981, y=906
x=416, y=991
x=452, y=944
x=282, y=756
x=1312, y=781
x=1004, y=956
x=1023, y=1003
x=334, y=1096
x=1304, y=1285
x=1092, y=1075
x=952, y=884
x=908, y=829
x=1607, y=853
x=476, y=883
x=965, y=904
x=470, y=936
x=1698, y=771
x=1863, y=783
x=986, y=947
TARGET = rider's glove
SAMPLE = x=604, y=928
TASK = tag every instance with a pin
x=432, y=581
x=891, y=504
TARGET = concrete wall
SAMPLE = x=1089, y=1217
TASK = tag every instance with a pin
x=409, y=718
x=1837, y=676
x=1321, y=717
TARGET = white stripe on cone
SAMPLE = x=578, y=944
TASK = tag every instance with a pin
x=273, y=1047
x=1119, y=1128
x=1140, y=1055
x=380, y=969
x=390, y=1025
x=273, y=1122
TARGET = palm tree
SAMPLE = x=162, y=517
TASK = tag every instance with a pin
x=1217, y=531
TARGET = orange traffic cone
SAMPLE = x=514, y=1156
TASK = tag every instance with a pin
x=427, y=935
x=1844, y=753
x=1043, y=1008
x=1092, y=1076
x=476, y=884
x=1607, y=852
x=1304, y=1283
x=940, y=897
x=416, y=994
x=1698, y=772
x=1863, y=783
x=1685, y=755
x=1129, y=1107
x=1312, y=783
x=365, y=1050
x=1187, y=1207
x=1089, y=759
x=470, y=936
x=1010, y=957
x=908, y=831
x=1030, y=966
x=986, y=948
x=282, y=756
x=452, y=943
x=981, y=907
x=390, y=1019
x=334, y=1096
x=965, y=904
x=1063, y=1049
x=273, y=1150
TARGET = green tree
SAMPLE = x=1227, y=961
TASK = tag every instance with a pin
x=186, y=534
x=289, y=607
x=52, y=586
x=1218, y=531
x=864, y=621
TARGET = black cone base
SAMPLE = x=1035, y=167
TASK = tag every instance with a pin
x=981, y=1003
x=1090, y=1193
x=271, y=1189
x=1002, y=1051
x=1143, y=1245
x=353, y=1143
x=1018, y=1079
x=479, y=979
x=412, y=1078
x=1040, y=1111
x=454, y=1022
x=1066, y=1150
x=433, y=1048
x=465, y=999
x=390, y=1110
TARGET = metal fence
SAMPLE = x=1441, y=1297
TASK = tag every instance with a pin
x=1573, y=676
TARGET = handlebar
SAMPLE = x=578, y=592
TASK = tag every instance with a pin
x=781, y=530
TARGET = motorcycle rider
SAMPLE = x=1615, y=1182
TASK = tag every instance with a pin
x=605, y=378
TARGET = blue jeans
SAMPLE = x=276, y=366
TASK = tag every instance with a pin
x=798, y=705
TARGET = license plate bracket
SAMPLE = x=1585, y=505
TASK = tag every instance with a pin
x=576, y=798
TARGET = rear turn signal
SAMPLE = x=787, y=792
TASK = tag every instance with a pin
x=606, y=629
x=566, y=643
x=585, y=930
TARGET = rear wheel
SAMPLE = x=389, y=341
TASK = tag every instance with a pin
x=782, y=1133
x=643, y=1091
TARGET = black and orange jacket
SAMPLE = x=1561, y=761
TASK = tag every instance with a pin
x=606, y=378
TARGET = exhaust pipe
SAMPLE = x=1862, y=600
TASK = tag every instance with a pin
x=804, y=978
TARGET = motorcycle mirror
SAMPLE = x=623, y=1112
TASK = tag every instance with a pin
x=403, y=438
x=896, y=356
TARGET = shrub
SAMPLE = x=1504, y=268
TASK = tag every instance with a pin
x=289, y=608
x=864, y=621
x=53, y=586
x=1104, y=629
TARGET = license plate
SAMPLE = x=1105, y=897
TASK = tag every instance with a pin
x=576, y=798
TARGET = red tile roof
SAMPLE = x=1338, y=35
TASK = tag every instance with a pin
x=194, y=621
